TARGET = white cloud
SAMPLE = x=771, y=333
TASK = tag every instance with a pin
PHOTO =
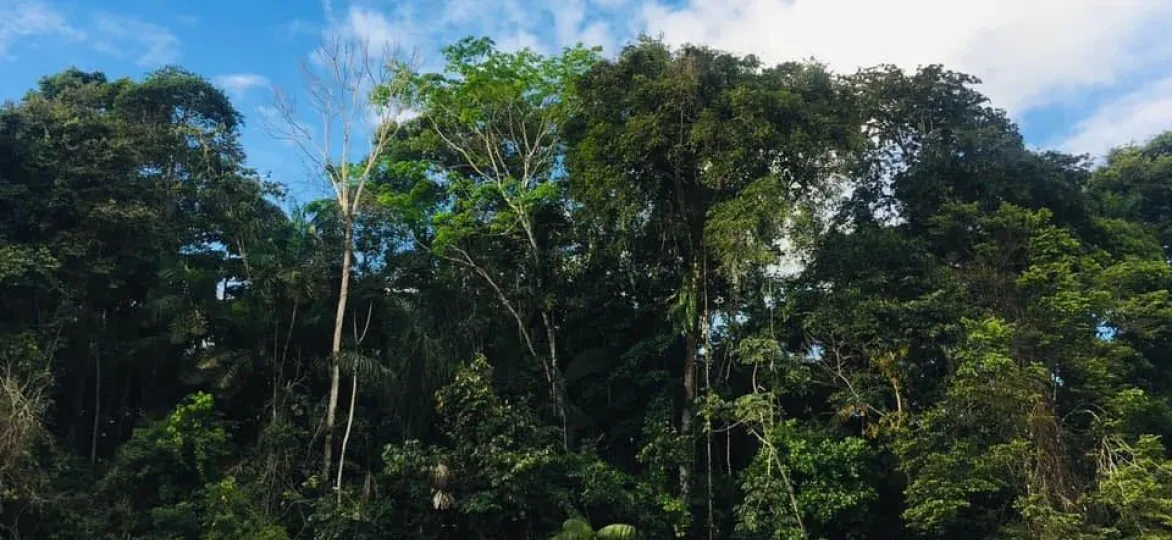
x=370, y=25
x=1029, y=53
x=1132, y=118
x=152, y=45
x=238, y=84
x=521, y=40
x=568, y=19
x=460, y=11
x=22, y=20
x=571, y=26
x=543, y=25
x=297, y=27
x=117, y=35
x=397, y=30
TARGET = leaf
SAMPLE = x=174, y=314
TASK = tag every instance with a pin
x=575, y=529
x=616, y=531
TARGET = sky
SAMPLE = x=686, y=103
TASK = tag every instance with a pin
x=1080, y=76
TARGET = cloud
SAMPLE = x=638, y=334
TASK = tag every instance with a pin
x=1132, y=118
x=238, y=84
x=371, y=26
x=543, y=25
x=149, y=44
x=381, y=31
x=1034, y=55
x=1029, y=53
x=23, y=20
x=298, y=27
x=152, y=45
x=521, y=40
x=572, y=26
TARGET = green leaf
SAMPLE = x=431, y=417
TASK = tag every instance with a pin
x=616, y=531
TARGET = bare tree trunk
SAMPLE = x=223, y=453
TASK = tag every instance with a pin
x=339, y=92
x=358, y=339
x=97, y=403
x=335, y=350
x=97, y=395
x=346, y=437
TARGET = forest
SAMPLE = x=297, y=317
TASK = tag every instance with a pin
x=669, y=293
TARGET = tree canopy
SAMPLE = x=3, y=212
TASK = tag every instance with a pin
x=673, y=293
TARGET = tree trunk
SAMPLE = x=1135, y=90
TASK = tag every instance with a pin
x=97, y=394
x=346, y=436
x=279, y=368
x=686, y=410
x=124, y=407
x=97, y=403
x=706, y=332
x=335, y=349
x=558, y=384
x=691, y=345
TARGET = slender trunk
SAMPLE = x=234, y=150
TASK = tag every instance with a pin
x=336, y=348
x=73, y=432
x=898, y=401
x=346, y=436
x=793, y=498
x=124, y=407
x=276, y=374
x=706, y=330
x=97, y=403
x=557, y=385
x=686, y=411
x=368, y=486
x=691, y=345
x=280, y=360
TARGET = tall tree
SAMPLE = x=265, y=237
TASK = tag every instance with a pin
x=709, y=152
x=497, y=121
x=339, y=80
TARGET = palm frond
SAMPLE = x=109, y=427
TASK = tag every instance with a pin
x=366, y=367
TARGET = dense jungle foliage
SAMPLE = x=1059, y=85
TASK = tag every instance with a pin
x=676, y=293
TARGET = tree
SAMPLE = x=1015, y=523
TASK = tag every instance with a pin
x=496, y=121
x=676, y=291
x=1134, y=185
x=342, y=97
x=711, y=153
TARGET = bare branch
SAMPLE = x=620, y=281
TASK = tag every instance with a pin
x=340, y=81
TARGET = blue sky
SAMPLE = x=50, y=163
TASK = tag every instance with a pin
x=1078, y=75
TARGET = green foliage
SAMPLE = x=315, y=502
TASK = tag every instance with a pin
x=500, y=471
x=493, y=119
x=679, y=292
x=799, y=483
x=230, y=513
x=577, y=529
